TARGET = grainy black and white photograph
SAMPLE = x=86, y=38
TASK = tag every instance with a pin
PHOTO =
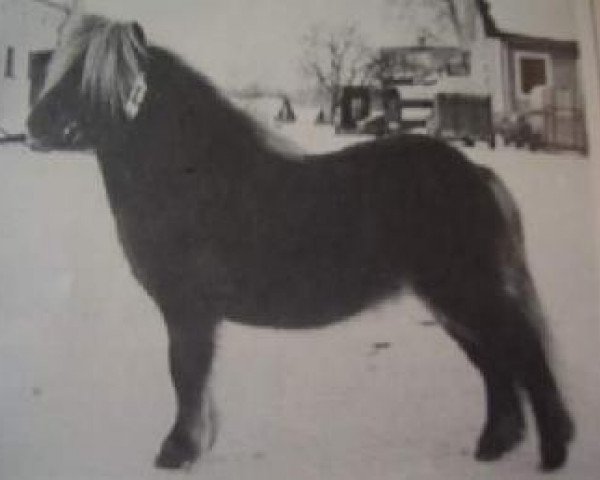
x=304, y=239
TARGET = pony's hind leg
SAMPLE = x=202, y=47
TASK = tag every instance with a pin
x=191, y=348
x=504, y=424
x=498, y=329
x=555, y=426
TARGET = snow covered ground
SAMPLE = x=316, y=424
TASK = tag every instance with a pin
x=84, y=387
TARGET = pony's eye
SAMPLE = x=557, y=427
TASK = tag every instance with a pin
x=70, y=129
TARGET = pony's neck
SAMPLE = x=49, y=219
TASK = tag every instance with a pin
x=184, y=115
x=213, y=117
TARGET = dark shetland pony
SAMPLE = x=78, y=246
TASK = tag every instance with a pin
x=217, y=223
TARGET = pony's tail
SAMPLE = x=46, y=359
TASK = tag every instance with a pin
x=516, y=275
x=507, y=205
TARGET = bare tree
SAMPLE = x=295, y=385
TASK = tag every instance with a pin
x=55, y=5
x=335, y=56
x=450, y=8
x=438, y=17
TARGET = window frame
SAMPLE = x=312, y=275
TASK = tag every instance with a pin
x=526, y=55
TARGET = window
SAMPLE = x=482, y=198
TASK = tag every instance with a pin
x=9, y=63
x=533, y=69
x=533, y=73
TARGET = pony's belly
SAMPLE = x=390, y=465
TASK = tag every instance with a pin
x=309, y=303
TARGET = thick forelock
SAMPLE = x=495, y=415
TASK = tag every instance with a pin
x=112, y=56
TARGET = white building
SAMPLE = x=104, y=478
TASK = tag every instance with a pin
x=531, y=65
x=28, y=30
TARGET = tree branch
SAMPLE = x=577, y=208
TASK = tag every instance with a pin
x=55, y=5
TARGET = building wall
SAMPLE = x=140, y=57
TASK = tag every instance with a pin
x=488, y=70
x=11, y=88
x=567, y=74
x=27, y=27
x=489, y=65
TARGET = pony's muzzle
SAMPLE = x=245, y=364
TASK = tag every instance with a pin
x=69, y=137
x=34, y=143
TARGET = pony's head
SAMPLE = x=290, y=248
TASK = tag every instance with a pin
x=95, y=83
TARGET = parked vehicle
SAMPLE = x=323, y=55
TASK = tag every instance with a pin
x=447, y=107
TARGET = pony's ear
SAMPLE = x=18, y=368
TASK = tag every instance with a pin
x=72, y=21
x=138, y=33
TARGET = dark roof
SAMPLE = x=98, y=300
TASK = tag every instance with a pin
x=489, y=25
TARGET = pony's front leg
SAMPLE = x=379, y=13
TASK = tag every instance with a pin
x=191, y=347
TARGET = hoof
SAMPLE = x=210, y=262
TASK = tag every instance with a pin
x=499, y=438
x=177, y=452
x=554, y=450
x=553, y=457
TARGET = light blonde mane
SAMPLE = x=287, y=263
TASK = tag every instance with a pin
x=111, y=61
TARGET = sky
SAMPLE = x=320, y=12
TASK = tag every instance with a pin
x=239, y=42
